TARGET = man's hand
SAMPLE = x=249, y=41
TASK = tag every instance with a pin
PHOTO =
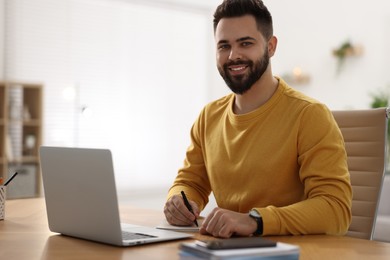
x=177, y=213
x=225, y=223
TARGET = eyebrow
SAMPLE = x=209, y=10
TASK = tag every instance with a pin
x=242, y=39
x=245, y=39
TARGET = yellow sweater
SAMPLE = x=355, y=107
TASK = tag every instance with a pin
x=286, y=159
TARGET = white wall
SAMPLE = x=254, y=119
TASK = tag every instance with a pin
x=309, y=30
x=2, y=3
x=140, y=69
x=146, y=79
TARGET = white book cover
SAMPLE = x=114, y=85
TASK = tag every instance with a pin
x=281, y=251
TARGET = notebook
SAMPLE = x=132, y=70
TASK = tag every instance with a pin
x=81, y=198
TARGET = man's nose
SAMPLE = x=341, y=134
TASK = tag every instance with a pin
x=234, y=54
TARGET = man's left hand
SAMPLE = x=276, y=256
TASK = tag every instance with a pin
x=225, y=223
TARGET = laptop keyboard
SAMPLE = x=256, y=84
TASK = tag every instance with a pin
x=133, y=236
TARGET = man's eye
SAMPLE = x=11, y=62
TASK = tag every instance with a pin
x=246, y=43
x=223, y=47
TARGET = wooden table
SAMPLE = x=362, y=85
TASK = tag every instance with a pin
x=24, y=234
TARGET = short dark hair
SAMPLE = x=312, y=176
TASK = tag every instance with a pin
x=237, y=8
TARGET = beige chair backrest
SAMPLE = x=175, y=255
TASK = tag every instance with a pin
x=365, y=135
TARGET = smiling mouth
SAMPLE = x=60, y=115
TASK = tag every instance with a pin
x=237, y=68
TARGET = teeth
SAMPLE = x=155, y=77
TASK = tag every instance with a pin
x=237, y=69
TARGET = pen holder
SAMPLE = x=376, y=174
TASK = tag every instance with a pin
x=2, y=202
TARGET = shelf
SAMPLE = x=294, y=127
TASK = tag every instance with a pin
x=32, y=122
x=24, y=159
x=21, y=131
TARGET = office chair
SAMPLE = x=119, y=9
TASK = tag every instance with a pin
x=365, y=136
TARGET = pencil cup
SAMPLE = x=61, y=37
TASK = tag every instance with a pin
x=2, y=202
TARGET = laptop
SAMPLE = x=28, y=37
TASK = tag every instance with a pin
x=81, y=198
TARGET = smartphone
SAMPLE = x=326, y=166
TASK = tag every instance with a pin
x=232, y=243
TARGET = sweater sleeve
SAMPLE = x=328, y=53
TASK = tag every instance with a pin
x=192, y=177
x=326, y=207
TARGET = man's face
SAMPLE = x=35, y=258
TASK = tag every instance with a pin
x=242, y=52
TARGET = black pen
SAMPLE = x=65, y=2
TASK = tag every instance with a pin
x=10, y=179
x=188, y=206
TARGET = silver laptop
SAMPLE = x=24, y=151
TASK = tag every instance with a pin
x=81, y=198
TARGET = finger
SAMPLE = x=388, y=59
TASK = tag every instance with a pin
x=195, y=208
x=207, y=219
x=227, y=223
x=203, y=231
x=202, y=228
x=218, y=224
x=176, y=213
x=186, y=213
x=172, y=214
x=211, y=224
x=225, y=231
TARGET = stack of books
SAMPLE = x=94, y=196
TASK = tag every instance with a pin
x=238, y=248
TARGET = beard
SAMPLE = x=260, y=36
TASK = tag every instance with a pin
x=242, y=83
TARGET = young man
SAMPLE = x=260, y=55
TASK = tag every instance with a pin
x=273, y=157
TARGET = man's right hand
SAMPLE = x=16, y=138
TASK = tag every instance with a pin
x=177, y=213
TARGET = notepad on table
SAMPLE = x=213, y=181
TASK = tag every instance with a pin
x=165, y=225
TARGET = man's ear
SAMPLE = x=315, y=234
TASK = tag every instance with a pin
x=272, y=43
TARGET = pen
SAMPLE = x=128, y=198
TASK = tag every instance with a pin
x=188, y=206
x=10, y=179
